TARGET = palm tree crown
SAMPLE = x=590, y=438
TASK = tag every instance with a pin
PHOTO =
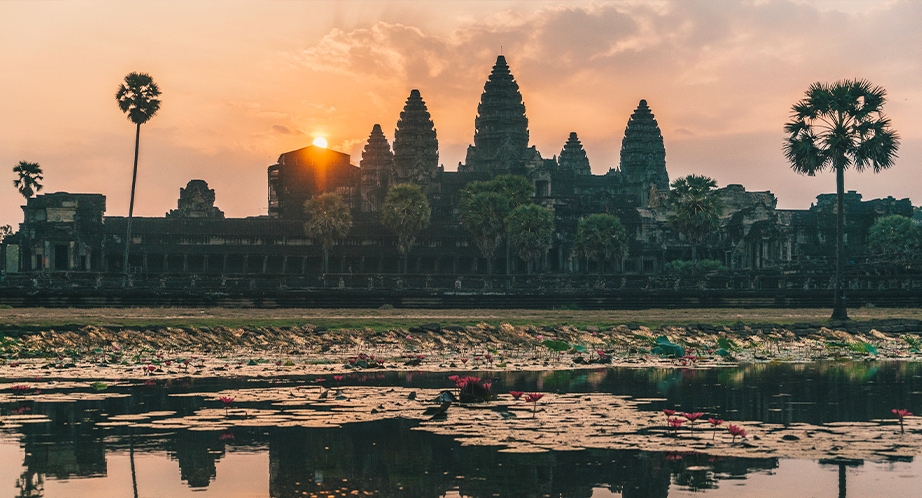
x=29, y=176
x=836, y=126
x=137, y=97
x=839, y=125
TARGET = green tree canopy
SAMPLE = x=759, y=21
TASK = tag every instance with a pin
x=328, y=219
x=895, y=237
x=601, y=237
x=483, y=214
x=529, y=228
x=837, y=126
x=405, y=212
x=481, y=201
x=28, y=177
x=696, y=209
x=517, y=189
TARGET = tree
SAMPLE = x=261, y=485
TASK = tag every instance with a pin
x=837, y=126
x=483, y=214
x=895, y=237
x=529, y=228
x=328, y=219
x=28, y=181
x=137, y=97
x=601, y=237
x=5, y=231
x=696, y=209
x=406, y=212
x=515, y=190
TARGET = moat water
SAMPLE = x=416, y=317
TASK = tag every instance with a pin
x=73, y=455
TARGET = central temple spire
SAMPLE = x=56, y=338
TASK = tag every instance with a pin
x=416, y=147
x=500, y=128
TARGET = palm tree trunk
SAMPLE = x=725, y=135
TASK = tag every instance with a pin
x=134, y=180
x=839, y=312
x=326, y=260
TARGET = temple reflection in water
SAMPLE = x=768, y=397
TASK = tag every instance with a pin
x=388, y=458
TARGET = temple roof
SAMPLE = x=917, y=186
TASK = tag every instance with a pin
x=416, y=147
x=643, y=155
x=500, y=128
x=573, y=157
x=377, y=153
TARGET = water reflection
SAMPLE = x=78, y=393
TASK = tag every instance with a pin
x=388, y=458
x=382, y=459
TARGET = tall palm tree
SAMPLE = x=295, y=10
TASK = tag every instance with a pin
x=29, y=176
x=406, y=212
x=328, y=219
x=137, y=97
x=837, y=126
x=696, y=209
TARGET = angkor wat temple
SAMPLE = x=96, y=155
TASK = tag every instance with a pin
x=70, y=234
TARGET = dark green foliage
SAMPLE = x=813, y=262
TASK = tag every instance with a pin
x=895, y=237
x=696, y=209
x=665, y=347
x=529, y=228
x=601, y=237
x=28, y=176
x=485, y=206
x=138, y=97
x=328, y=219
x=406, y=212
x=483, y=214
x=836, y=126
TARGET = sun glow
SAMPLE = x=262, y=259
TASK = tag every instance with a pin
x=320, y=142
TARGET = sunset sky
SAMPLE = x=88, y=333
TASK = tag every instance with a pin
x=244, y=81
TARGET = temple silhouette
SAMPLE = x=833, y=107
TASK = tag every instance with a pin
x=69, y=233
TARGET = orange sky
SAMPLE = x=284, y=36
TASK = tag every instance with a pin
x=244, y=81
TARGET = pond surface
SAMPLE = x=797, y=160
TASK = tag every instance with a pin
x=74, y=454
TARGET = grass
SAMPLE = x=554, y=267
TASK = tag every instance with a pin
x=380, y=319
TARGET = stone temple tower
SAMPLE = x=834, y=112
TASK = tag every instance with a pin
x=643, y=155
x=377, y=169
x=500, y=128
x=416, y=147
x=573, y=157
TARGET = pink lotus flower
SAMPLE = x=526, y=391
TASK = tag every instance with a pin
x=736, y=430
x=337, y=378
x=21, y=388
x=533, y=398
x=516, y=394
x=227, y=400
x=420, y=357
x=714, y=423
x=900, y=414
x=675, y=423
x=226, y=436
x=668, y=412
x=487, y=385
x=464, y=360
x=692, y=417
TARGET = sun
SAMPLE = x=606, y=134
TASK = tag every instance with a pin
x=320, y=142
